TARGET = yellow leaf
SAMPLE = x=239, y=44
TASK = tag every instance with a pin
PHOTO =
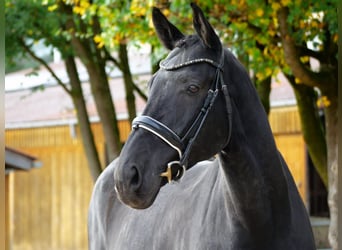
x=99, y=41
x=314, y=24
x=260, y=75
x=305, y=59
x=302, y=24
x=323, y=102
x=335, y=38
x=241, y=4
x=166, y=12
x=297, y=80
x=285, y=2
x=98, y=38
x=275, y=22
x=139, y=8
x=275, y=6
x=82, y=7
x=259, y=12
x=78, y=10
x=52, y=7
x=268, y=71
x=118, y=37
x=100, y=45
x=271, y=32
x=84, y=4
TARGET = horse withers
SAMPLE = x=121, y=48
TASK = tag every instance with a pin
x=160, y=194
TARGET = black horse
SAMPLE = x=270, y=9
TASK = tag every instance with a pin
x=201, y=103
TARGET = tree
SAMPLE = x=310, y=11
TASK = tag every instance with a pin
x=273, y=36
x=82, y=35
x=75, y=29
x=286, y=34
x=324, y=27
x=17, y=34
x=270, y=36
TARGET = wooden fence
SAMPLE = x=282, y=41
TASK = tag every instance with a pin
x=48, y=206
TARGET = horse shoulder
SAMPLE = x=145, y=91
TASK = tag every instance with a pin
x=300, y=222
x=102, y=201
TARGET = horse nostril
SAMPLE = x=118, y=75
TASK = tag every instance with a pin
x=135, y=178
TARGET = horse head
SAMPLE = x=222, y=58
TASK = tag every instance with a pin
x=185, y=119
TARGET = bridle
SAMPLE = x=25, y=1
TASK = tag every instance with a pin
x=183, y=145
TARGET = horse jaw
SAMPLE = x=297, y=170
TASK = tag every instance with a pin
x=137, y=173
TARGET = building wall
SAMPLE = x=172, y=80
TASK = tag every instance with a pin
x=286, y=128
x=49, y=205
x=7, y=213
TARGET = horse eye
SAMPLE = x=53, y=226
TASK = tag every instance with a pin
x=193, y=89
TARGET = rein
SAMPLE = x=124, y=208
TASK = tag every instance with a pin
x=183, y=146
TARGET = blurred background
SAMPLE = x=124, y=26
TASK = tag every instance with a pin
x=77, y=73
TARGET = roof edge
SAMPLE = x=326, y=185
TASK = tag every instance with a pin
x=17, y=160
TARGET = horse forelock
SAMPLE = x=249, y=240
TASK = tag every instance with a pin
x=190, y=48
x=187, y=41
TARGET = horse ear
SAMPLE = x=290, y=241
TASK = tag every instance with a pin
x=168, y=34
x=204, y=29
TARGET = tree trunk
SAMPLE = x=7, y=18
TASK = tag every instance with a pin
x=83, y=119
x=326, y=81
x=331, y=137
x=77, y=97
x=263, y=88
x=312, y=129
x=95, y=63
x=128, y=81
x=105, y=107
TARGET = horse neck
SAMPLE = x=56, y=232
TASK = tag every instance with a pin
x=250, y=162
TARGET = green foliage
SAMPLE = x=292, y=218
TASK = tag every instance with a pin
x=27, y=23
x=251, y=27
x=27, y=19
x=247, y=26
